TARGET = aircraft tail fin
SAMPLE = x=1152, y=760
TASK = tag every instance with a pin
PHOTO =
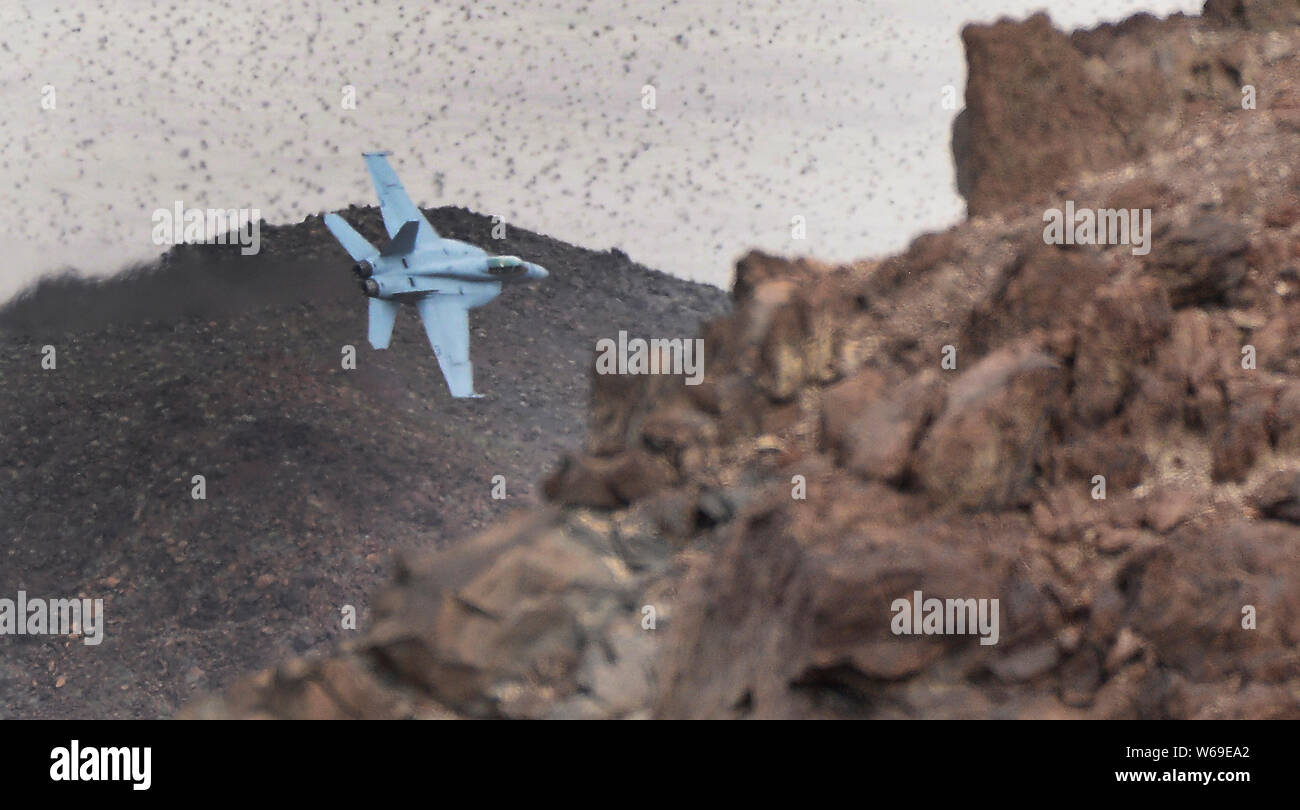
x=354, y=243
x=394, y=203
x=383, y=314
x=404, y=241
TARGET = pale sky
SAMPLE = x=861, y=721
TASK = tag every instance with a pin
x=764, y=110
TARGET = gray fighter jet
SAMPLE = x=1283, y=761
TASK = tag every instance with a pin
x=443, y=278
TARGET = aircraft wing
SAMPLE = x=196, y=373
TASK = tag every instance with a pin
x=394, y=204
x=446, y=321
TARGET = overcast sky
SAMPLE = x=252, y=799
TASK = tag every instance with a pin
x=764, y=110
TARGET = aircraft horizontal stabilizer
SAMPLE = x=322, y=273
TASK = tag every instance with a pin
x=383, y=314
x=354, y=243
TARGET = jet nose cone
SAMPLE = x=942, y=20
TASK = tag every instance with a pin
x=537, y=271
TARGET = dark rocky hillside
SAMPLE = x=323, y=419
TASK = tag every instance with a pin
x=230, y=367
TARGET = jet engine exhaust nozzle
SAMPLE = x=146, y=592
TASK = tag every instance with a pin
x=370, y=287
x=363, y=269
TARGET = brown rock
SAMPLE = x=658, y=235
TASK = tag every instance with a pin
x=1241, y=441
x=1026, y=664
x=1201, y=263
x=608, y=482
x=1256, y=15
x=1278, y=496
x=1032, y=292
x=1127, y=644
x=1287, y=419
x=983, y=450
x=844, y=402
x=1032, y=115
x=581, y=481
x=1169, y=507
x=878, y=443
x=1116, y=334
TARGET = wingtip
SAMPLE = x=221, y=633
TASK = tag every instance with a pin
x=380, y=153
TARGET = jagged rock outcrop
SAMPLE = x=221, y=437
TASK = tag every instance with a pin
x=1104, y=440
x=1043, y=107
x=1257, y=15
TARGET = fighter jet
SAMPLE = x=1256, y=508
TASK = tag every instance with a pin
x=443, y=278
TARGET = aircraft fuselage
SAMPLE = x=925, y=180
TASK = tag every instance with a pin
x=449, y=267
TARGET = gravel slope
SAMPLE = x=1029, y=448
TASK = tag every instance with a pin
x=230, y=367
